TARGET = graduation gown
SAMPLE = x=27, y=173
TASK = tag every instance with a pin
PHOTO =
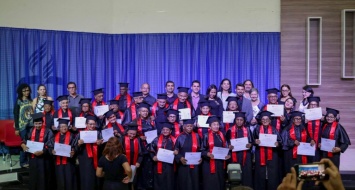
x=128, y=116
x=164, y=176
x=48, y=119
x=214, y=180
x=187, y=176
x=216, y=107
x=176, y=105
x=160, y=116
x=88, y=161
x=41, y=171
x=341, y=140
x=314, y=129
x=68, y=114
x=270, y=170
x=244, y=158
x=123, y=102
x=64, y=166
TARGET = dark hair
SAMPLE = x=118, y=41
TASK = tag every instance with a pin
x=308, y=89
x=294, y=102
x=195, y=81
x=71, y=83
x=90, y=108
x=19, y=91
x=287, y=86
x=210, y=87
x=113, y=148
x=169, y=81
x=239, y=84
x=230, y=84
x=252, y=84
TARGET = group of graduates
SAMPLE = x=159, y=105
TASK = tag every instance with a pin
x=132, y=116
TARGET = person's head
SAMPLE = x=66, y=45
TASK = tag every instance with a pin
x=272, y=95
x=145, y=89
x=331, y=115
x=113, y=148
x=265, y=117
x=131, y=129
x=248, y=85
x=23, y=91
x=188, y=125
x=71, y=87
x=212, y=91
x=110, y=116
x=63, y=125
x=98, y=94
x=254, y=94
x=166, y=129
x=143, y=110
x=290, y=103
x=161, y=100
x=172, y=115
x=313, y=102
x=41, y=90
x=138, y=97
x=225, y=85
x=239, y=119
x=285, y=91
x=90, y=123
x=239, y=89
x=169, y=86
x=213, y=122
x=307, y=91
x=123, y=88
x=296, y=117
x=37, y=120
x=232, y=103
x=195, y=86
x=183, y=94
x=85, y=104
x=63, y=101
x=204, y=107
x=47, y=105
x=114, y=105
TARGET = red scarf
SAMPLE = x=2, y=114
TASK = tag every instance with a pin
x=226, y=127
x=176, y=102
x=109, y=125
x=262, y=149
x=160, y=145
x=66, y=141
x=314, y=136
x=278, y=120
x=303, y=139
x=139, y=123
x=41, y=135
x=133, y=111
x=94, y=104
x=331, y=134
x=194, y=144
x=89, y=113
x=177, y=129
x=199, y=130
x=128, y=150
x=155, y=108
x=128, y=98
x=91, y=149
x=211, y=145
x=60, y=114
x=235, y=135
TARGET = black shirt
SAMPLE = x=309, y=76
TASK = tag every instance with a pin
x=114, y=170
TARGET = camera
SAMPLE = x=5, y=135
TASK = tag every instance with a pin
x=311, y=172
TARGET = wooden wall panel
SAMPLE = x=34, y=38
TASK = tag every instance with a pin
x=334, y=92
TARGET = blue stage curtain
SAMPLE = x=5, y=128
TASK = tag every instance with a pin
x=102, y=60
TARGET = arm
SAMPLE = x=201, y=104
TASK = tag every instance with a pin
x=16, y=116
x=100, y=172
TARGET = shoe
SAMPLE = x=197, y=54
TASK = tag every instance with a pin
x=25, y=166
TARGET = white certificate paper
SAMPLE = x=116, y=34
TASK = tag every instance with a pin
x=306, y=149
x=220, y=153
x=228, y=116
x=56, y=124
x=185, y=113
x=151, y=135
x=34, y=146
x=239, y=144
x=202, y=119
x=62, y=149
x=107, y=133
x=327, y=144
x=101, y=110
x=313, y=114
x=133, y=167
x=267, y=140
x=88, y=136
x=80, y=122
x=165, y=155
x=277, y=110
x=192, y=158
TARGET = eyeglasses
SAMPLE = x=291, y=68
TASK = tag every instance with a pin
x=298, y=119
x=71, y=87
x=27, y=90
x=330, y=117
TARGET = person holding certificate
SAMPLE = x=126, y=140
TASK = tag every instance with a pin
x=64, y=165
x=131, y=112
x=205, y=108
x=114, y=106
x=62, y=112
x=307, y=91
x=164, y=176
x=296, y=133
x=172, y=117
x=242, y=156
x=118, y=129
x=213, y=170
x=232, y=106
x=332, y=130
x=40, y=139
x=124, y=99
x=158, y=111
x=187, y=142
x=48, y=113
x=85, y=108
x=272, y=100
x=88, y=156
x=266, y=158
x=181, y=102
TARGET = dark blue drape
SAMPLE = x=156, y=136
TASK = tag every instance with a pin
x=102, y=60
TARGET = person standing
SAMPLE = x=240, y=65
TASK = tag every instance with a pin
x=73, y=98
x=224, y=91
x=169, y=90
x=38, y=102
x=244, y=103
x=195, y=96
x=124, y=99
x=145, y=89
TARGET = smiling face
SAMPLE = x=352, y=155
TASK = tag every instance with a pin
x=131, y=134
x=188, y=128
x=226, y=85
x=248, y=86
x=272, y=98
x=254, y=96
x=305, y=94
x=63, y=128
x=297, y=120
x=232, y=106
x=166, y=131
x=214, y=126
x=285, y=91
x=143, y=112
x=212, y=93
x=182, y=96
x=64, y=104
x=41, y=91
x=289, y=104
x=195, y=87
x=169, y=88
x=205, y=110
x=265, y=120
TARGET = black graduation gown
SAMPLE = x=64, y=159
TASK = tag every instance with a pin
x=127, y=117
x=247, y=171
x=341, y=140
x=88, y=179
x=187, y=178
x=182, y=105
x=216, y=107
x=41, y=168
x=65, y=173
x=289, y=144
x=271, y=169
x=64, y=114
x=312, y=131
x=160, y=117
x=212, y=181
x=122, y=103
x=49, y=119
x=165, y=180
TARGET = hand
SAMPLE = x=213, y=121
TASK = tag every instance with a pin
x=257, y=141
x=72, y=153
x=290, y=182
x=176, y=152
x=155, y=158
x=54, y=128
x=183, y=160
x=80, y=142
x=231, y=147
x=248, y=145
x=53, y=152
x=276, y=144
x=24, y=147
x=210, y=155
x=306, y=120
x=137, y=165
x=282, y=118
x=99, y=141
x=336, y=150
x=143, y=138
x=38, y=153
x=297, y=143
x=17, y=133
x=152, y=118
x=319, y=145
x=200, y=161
x=313, y=143
x=334, y=181
x=73, y=128
x=126, y=179
x=227, y=157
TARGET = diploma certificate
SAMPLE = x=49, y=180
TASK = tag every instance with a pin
x=165, y=155
x=151, y=135
x=34, y=146
x=267, y=140
x=192, y=158
x=80, y=122
x=88, y=136
x=277, y=110
x=327, y=144
x=185, y=113
x=306, y=149
x=101, y=110
x=202, y=119
x=62, y=149
x=228, y=116
x=133, y=168
x=239, y=144
x=220, y=153
x=107, y=133
x=313, y=114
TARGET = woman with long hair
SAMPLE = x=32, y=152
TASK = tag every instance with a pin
x=224, y=91
x=38, y=102
x=215, y=102
x=285, y=93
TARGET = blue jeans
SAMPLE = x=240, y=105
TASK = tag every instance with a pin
x=23, y=155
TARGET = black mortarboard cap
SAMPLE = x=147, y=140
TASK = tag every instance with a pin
x=265, y=113
x=212, y=119
x=123, y=84
x=63, y=121
x=272, y=91
x=137, y=94
x=313, y=99
x=109, y=113
x=85, y=101
x=203, y=103
x=114, y=102
x=162, y=96
x=144, y=105
x=183, y=89
x=132, y=126
x=333, y=111
x=296, y=113
x=37, y=117
x=90, y=117
x=166, y=125
x=189, y=121
x=172, y=111
x=232, y=98
x=49, y=102
x=239, y=114
x=61, y=98
x=98, y=91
